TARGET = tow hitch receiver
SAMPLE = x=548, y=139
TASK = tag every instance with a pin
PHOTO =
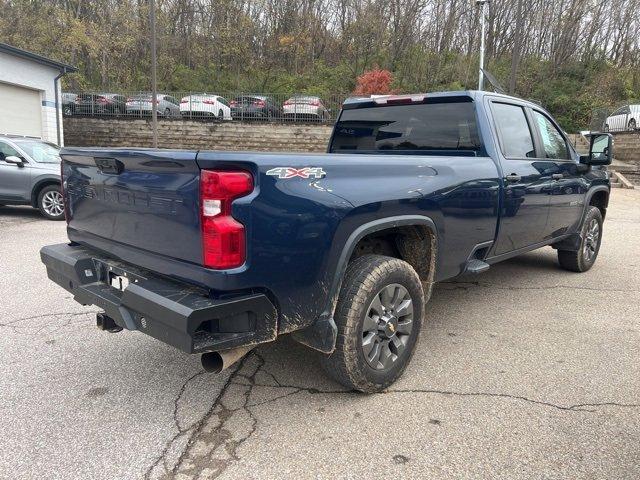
x=106, y=323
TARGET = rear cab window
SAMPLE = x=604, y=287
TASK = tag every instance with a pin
x=424, y=128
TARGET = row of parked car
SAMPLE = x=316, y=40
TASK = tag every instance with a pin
x=199, y=105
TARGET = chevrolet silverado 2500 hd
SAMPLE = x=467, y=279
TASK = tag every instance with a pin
x=216, y=252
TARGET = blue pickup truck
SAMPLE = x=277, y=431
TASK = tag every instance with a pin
x=216, y=252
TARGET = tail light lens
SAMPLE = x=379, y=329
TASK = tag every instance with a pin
x=102, y=100
x=223, y=237
x=259, y=103
x=209, y=102
x=314, y=103
x=233, y=103
x=287, y=102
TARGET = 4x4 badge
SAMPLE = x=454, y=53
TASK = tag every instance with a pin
x=290, y=172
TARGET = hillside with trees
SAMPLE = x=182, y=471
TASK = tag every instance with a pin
x=570, y=55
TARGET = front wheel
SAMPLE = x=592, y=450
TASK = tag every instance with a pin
x=591, y=236
x=632, y=125
x=379, y=315
x=51, y=203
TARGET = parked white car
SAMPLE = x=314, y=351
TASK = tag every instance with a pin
x=624, y=118
x=205, y=105
x=305, y=107
x=166, y=105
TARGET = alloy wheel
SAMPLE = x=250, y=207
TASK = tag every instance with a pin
x=388, y=324
x=53, y=203
x=591, y=239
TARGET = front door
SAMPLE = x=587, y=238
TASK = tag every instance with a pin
x=526, y=181
x=568, y=188
x=14, y=180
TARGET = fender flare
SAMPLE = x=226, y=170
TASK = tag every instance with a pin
x=590, y=193
x=321, y=334
x=35, y=190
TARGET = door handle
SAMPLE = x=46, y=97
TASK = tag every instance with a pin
x=513, y=177
x=557, y=176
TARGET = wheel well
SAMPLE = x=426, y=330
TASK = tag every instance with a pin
x=600, y=200
x=38, y=188
x=415, y=244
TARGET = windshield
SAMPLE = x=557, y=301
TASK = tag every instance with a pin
x=433, y=128
x=39, y=151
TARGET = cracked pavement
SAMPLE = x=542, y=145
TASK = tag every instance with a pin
x=525, y=371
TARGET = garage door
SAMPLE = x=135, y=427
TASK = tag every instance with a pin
x=20, y=111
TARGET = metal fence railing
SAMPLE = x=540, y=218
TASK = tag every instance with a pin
x=229, y=106
x=621, y=118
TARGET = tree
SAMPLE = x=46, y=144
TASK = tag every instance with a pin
x=374, y=82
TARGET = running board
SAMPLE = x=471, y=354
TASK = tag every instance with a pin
x=476, y=266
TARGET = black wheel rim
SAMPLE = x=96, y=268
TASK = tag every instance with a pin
x=387, y=327
x=591, y=239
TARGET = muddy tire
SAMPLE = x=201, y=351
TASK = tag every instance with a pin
x=378, y=315
x=591, y=237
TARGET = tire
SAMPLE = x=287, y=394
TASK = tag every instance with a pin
x=632, y=124
x=67, y=111
x=591, y=235
x=606, y=128
x=167, y=112
x=369, y=284
x=50, y=203
x=220, y=115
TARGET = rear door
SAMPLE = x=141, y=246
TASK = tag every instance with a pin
x=567, y=188
x=526, y=181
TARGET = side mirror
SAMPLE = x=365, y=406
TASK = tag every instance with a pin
x=14, y=160
x=600, y=150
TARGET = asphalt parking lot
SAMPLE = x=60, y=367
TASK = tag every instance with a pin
x=526, y=371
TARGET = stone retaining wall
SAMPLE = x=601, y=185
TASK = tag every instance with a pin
x=190, y=134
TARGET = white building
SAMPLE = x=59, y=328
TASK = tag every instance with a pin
x=30, y=97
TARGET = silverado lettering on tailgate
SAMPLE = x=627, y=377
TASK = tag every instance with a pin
x=159, y=203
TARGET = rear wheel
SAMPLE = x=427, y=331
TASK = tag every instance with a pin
x=379, y=315
x=51, y=203
x=632, y=124
x=167, y=112
x=583, y=259
x=606, y=128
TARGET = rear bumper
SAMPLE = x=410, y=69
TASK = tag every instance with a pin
x=178, y=314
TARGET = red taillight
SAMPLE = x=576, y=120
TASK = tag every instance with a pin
x=233, y=103
x=209, y=102
x=287, y=102
x=102, y=100
x=314, y=103
x=129, y=99
x=259, y=103
x=223, y=237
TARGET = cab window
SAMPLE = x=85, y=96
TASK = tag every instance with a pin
x=514, y=132
x=553, y=142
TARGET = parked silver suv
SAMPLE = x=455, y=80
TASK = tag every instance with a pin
x=30, y=175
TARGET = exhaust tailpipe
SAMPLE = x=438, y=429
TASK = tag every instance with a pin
x=216, y=362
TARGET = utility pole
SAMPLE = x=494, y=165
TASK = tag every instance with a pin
x=483, y=19
x=515, y=56
x=154, y=84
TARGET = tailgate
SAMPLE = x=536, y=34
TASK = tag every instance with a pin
x=146, y=199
